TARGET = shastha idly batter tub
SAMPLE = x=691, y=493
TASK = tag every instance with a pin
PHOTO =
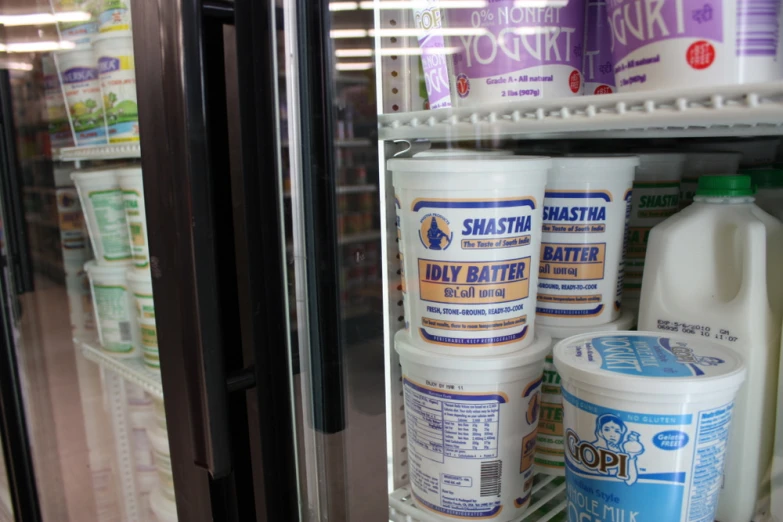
x=471, y=234
x=471, y=429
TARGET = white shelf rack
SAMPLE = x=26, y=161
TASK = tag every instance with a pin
x=101, y=152
x=131, y=370
x=736, y=110
x=548, y=503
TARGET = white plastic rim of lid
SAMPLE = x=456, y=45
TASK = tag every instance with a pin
x=531, y=354
x=137, y=276
x=160, y=440
x=116, y=270
x=715, y=379
x=96, y=176
x=578, y=168
x=648, y=158
x=67, y=53
x=558, y=333
x=129, y=175
x=448, y=153
x=462, y=174
x=113, y=39
x=165, y=510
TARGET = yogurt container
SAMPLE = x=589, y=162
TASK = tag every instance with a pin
x=656, y=196
x=471, y=236
x=756, y=152
x=114, y=15
x=692, y=43
x=586, y=207
x=456, y=153
x=140, y=283
x=509, y=52
x=471, y=429
x=705, y=163
x=165, y=509
x=117, y=69
x=550, y=440
x=646, y=420
x=434, y=60
x=80, y=31
x=104, y=210
x=56, y=114
x=160, y=447
x=79, y=77
x=598, y=68
x=132, y=184
x=113, y=304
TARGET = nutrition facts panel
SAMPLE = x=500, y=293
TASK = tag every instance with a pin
x=444, y=424
x=711, y=439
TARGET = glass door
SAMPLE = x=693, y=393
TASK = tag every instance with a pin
x=445, y=156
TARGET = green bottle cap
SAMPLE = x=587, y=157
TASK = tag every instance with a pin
x=765, y=178
x=725, y=186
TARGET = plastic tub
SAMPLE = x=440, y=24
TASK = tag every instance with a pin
x=456, y=153
x=113, y=306
x=435, y=61
x=694, y=44
x=82, y=87
x=104, y=211
x=524, y=52
x=56, y=114
x=656, y=196
x=471, y=238
x=646, y=421
x=769, y=190
x=550, y=457
x=705, y=163
x=132, y=185
x=598, y=67
x=140, y=283
x=165, y=509
x=160, y=447
x=81, y=31
x=471, y=428
x=756, y=152
x=114, y=53
x=588, y=201
x=114, y=15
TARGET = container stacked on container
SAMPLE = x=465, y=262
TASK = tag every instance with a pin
x=113, y=204
x=470, y=236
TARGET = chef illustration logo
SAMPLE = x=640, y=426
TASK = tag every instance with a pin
x=435, y=233
x=613, y=453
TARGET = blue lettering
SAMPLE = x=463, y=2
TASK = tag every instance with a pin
x=496, y=226
x=574, y=213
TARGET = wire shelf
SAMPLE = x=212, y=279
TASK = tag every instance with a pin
x=131, y=370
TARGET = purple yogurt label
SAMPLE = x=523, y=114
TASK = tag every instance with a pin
x=433, y=55
x=598, y=67
x=511, y=50
x=667, y=43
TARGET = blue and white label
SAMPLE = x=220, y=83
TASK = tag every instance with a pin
x=639, y=466
x=471, y=448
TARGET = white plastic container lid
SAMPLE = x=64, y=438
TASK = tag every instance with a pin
x=573, y=168
x=91, y=267
x=96, y=175
x=446, y=153
x=648, y=363
x=138, y=276
x=111, y=35
x=532, y=354
x=461, y=173
x=624, y=322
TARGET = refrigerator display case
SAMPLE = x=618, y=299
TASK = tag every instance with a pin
x=255, y=375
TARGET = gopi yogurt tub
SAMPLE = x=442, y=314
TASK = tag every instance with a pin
x=114, y=309
x=550, y=441
x=132, y=184
x=471, y=236
x=646, y=420
x=471, y=429
x=586, y=207
x=507, y=51
x=598, y=68
x=140, y=283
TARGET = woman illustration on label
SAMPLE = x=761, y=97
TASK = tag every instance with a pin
x=435, y=235
x=610, y=434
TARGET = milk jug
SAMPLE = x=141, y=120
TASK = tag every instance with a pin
x=712, y=273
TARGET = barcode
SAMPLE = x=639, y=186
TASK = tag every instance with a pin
x=491, y=473
x=757, y=27
x=125, y=331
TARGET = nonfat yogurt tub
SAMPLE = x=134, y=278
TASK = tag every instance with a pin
x=471, y=428
x=646, y=421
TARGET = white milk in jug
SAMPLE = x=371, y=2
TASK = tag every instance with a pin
x=713, y=273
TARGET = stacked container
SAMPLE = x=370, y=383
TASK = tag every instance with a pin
x=470, y=236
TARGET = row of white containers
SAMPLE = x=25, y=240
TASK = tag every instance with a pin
x=506, y=51
x=120, y=280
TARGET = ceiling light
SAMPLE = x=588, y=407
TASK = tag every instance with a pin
x=414, y=51
x=443, y=4
x=353, y=53
x=348, y=33
x=343, y=6
x=17, y=66
x=358, y=66
x=33, y=47
x=445, y=31
x=44, y=18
